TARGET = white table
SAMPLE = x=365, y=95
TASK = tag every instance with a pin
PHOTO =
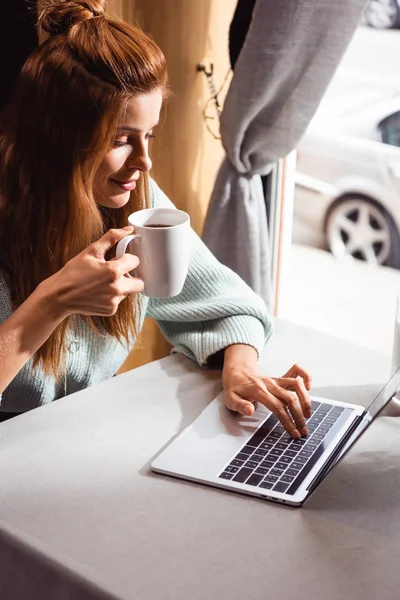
x=82, y=517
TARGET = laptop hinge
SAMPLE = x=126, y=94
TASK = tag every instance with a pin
x=335, y=454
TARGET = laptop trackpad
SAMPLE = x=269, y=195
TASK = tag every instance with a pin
x=215, y=436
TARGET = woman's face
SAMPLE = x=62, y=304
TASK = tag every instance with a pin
x=128, y=155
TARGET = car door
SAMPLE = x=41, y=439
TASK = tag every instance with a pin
x=389, y=129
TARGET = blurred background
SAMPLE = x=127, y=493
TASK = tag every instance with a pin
x=339, y=238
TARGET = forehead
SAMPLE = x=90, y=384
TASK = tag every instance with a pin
x=142, y=112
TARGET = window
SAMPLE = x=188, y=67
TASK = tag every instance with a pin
x=390, y=129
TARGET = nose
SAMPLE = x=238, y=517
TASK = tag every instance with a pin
x=139, y=158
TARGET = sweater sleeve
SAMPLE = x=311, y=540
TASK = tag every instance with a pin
x=215, y=309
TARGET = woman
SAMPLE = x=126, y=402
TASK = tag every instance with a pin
x=74, y=145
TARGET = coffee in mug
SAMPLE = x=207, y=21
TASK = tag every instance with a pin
x=162, y=243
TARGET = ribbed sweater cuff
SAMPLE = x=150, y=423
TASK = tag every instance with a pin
x=238, y=329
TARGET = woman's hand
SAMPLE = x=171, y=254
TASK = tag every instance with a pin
x=90, y=285
x=285, y=396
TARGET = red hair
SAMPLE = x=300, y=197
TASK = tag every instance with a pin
x=54, y=133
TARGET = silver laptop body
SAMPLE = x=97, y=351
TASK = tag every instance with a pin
x=255, y=456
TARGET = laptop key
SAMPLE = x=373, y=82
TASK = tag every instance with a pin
x=286, y=459
x=252, y=464
x=231, y=469
x=247, y=450
x=295, y=447
x=267, y=464
x=279, y=429
x=272, y=457
x=226, y=475
x=280, y=487
x=276, y=452
x=261, y=471
x=286, y=478
x=290, y=453
x=267, y=485
x=242, y=456
x=301, y=459
x=254, y=479
x=242, y=475
x=305, y=454
x=280, y=446
x=261, y=451
x=300, y=441
x=322, y=430
x=337, y=409
x=236, y=463
x=315, y=404
x=292, y=472
x=297, y=465
x=312, y=444
x=271, y=478
x=276, y=472
x=257, y=458
x=265, y=445
x=280, y=465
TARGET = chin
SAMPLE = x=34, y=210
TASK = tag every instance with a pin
x=115, y=201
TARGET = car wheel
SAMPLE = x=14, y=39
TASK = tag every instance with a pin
x=359, y=228
x=382, y=14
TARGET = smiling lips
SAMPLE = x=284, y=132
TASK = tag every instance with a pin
x=126, y=185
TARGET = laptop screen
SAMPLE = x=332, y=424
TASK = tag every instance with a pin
x=385, y=395
x=377, y=405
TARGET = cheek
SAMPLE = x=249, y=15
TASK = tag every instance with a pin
x=111, y=163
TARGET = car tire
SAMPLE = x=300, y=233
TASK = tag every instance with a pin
x=382, y=14
x=359, y=227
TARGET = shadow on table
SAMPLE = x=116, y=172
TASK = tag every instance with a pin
x=363, y=490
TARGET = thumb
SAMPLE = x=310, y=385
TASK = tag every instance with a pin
x=238, y=404
x=109, y=239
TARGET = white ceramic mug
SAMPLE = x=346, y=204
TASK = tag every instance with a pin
x=161, y=242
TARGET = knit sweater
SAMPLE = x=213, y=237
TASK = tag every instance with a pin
x=214, y=310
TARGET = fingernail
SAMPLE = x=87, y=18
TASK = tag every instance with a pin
x=247, y=411
x=304, y=432
x=308, y=413
x=127, y=227
x=296, y=434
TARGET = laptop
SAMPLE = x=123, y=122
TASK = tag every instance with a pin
x=255, y=456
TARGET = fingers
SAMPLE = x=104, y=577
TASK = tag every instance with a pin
x=285, y=407
x=290, y=405
x=297, y=386
x=297, y=371
x=125, y=264
x=108, y=240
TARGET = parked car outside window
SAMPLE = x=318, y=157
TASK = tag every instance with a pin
x=348, y=183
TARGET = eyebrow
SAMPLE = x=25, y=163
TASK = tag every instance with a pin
x=134, y=129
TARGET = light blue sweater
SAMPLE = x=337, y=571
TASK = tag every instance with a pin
x=214, y=310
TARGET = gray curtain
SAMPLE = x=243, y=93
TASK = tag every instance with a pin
x=289, y=56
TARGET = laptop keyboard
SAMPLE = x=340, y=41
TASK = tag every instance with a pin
x=273, y=460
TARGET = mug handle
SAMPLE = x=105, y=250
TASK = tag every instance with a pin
x=122, y=246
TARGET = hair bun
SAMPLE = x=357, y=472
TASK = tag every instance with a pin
x=60, y=16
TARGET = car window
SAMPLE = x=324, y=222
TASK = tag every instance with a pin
x=390, y=129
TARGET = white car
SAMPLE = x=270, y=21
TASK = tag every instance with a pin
x=348, y=183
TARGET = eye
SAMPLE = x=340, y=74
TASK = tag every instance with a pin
x=120, y=142
x=150, y=136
